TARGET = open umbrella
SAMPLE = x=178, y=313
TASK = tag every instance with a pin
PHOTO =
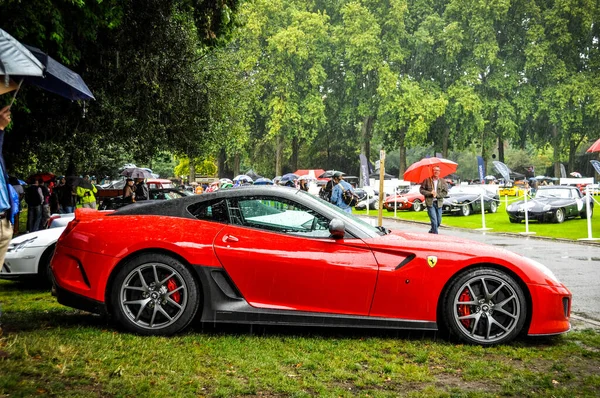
x=136, y=172
x=419, y=171
x=15, y=59
x=328, y=174
x=595, y=146
x=288, y=177
x=59, y=79
x=242, y=178
x=575, y=174
x=386, y=176
x=490, y=177
x=263, y=181
x=41, y=176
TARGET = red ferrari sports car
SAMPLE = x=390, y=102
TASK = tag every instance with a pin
x=275, y=255
x=412, y=199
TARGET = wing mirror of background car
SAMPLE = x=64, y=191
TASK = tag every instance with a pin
x=337, y=228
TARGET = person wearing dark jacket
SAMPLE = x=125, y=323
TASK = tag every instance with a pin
x=34, y=199
x=434, y=189
x=141, y=190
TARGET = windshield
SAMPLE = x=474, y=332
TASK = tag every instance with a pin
x=553, y=193
x=347, y=217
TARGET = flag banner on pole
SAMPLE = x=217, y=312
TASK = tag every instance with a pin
x=480, y=169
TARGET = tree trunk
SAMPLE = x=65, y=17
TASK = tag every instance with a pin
x=402, y=150
x=221, y=163
x=445, y=140
x=501, y=149
x=366, y=132
x=192, y=176
x=295, y=149
x=236, y=165
x=556, y=147
x=279, y=155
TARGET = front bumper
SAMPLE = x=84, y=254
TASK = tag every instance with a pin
x=550, y=311
x=535, y=216
x=22, y=263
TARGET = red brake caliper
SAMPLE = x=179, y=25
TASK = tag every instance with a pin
x=171, y=285
x=465, y=309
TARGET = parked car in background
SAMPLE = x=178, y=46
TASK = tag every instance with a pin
x=466, y=199
x=409, y=199
x=29, y=255
x=157, y=183
x=551, y=203
x=516, y=188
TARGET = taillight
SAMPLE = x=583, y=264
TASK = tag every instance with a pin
x=70, y=226
x=52, y=218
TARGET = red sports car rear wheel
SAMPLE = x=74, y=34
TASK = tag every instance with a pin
x=154, y=294
x=485, y=306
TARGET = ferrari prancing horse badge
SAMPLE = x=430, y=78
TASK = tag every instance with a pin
x=432, y=261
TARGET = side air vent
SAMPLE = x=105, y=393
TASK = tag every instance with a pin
x=407, y=260
x=225, y=284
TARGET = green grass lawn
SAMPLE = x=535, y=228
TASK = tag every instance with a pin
x=575, y=228
x=51, y=350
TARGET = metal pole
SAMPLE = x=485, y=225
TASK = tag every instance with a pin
x=381, y=193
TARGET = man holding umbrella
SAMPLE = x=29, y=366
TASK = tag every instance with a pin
x=434, y=189
x=7, y=203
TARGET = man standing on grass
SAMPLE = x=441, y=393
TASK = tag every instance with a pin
x=434, y=189
x=6, y=198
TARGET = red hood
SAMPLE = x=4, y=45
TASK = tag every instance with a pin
x=421, y=241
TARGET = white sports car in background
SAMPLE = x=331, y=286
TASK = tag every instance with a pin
x=29, y=254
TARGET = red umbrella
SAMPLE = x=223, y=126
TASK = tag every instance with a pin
x=43, y=176
x=419, y=171
x=595, y=147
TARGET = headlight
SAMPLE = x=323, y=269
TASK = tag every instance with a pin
x=15, y=247
x=547, y=207
x=543, y=269
x=511, y=208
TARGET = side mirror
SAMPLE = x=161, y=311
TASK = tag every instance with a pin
x=337, y=229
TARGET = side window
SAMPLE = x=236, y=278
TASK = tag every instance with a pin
x=210, y=211
x=279, y=215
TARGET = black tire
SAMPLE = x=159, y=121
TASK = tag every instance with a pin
x=154, y=294
x=43, y=272
x=478, y=296
x=417, y=205
x=583, y=214
x=493, y=206
x=559, y=216
x=465, y=210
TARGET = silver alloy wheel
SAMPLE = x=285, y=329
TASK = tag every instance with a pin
x=559, y=215
x=417, y=205
x=465, y=210
x=493, y=206
x=153, y=296
x=486, y=308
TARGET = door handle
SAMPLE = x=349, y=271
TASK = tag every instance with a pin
x=230, y=238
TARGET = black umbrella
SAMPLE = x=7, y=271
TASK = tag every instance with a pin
x=386, y=176
x=329, y=174
x=59, y=79
x=136, y=172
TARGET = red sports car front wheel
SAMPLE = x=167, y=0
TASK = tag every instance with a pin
x=485, y=306
x=154, y=294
